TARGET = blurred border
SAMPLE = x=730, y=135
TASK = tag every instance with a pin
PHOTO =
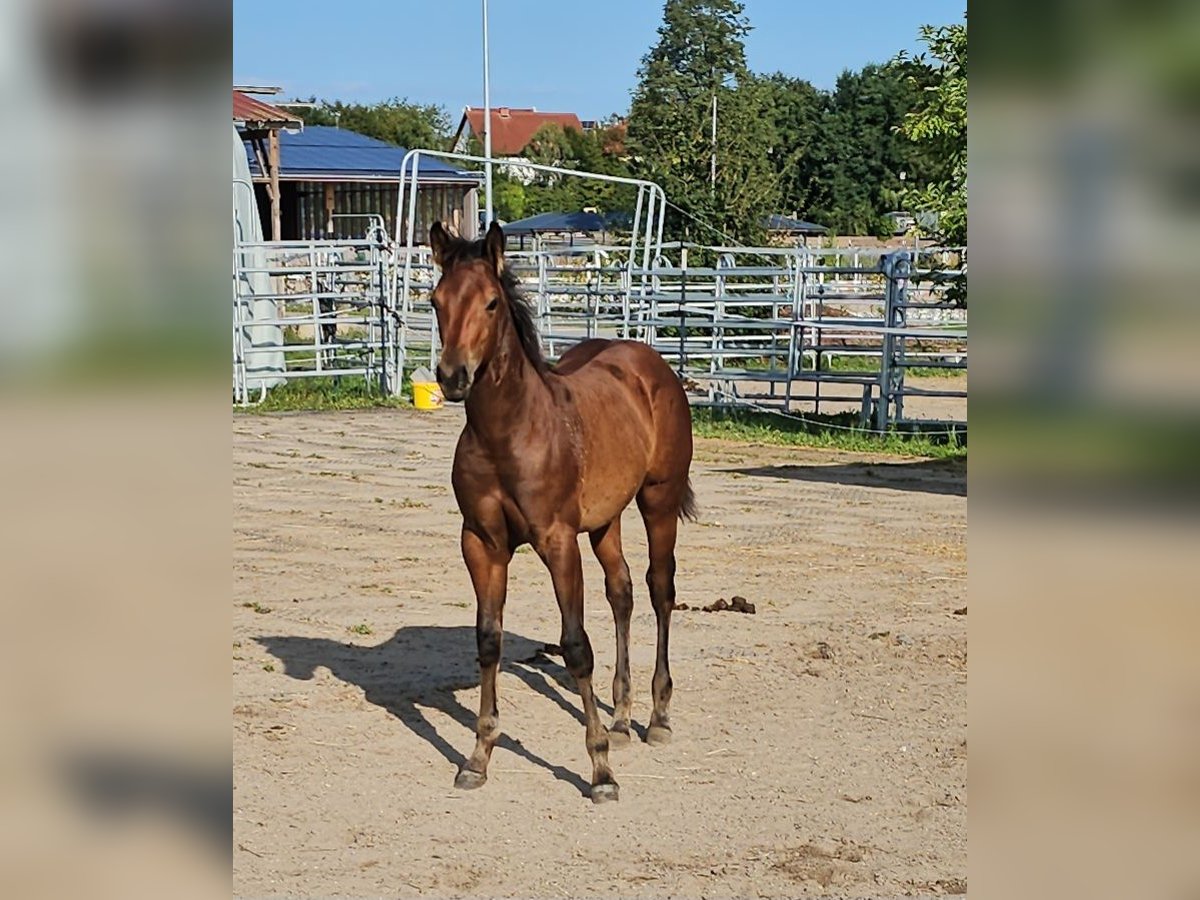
x=1085, y=220
x=115, y=230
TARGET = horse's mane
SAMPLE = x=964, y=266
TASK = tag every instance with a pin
x=459, y=250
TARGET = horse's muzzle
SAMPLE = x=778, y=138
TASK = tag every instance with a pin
x=455, y=382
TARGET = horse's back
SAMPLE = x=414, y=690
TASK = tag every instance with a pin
x=631, y=358
x=580, y=355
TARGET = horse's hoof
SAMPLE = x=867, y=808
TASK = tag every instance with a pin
x=658, y=734
x=466, y=780
x=603, y=793
x=618, y=735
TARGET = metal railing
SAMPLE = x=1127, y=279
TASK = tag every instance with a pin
x=319, y=308
x=787, y=329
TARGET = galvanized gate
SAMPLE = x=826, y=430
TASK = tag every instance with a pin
x=624, y=273
x=306, y=309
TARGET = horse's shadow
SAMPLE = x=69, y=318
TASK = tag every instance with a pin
x=422, y=666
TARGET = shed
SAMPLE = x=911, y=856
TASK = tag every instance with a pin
x=788, y=225
x=332, y=179
x=571, y=223
x=260, y=125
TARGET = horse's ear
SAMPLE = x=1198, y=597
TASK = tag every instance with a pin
x=439, y=240
x=493, y=246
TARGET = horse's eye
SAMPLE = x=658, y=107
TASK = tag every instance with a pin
x=491, y=306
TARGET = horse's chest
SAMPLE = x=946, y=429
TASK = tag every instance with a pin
x=516, y=521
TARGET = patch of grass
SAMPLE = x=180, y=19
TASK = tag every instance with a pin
x=268, y=667
x=849, y=364
x=361, y=628
x=410, y=503
x=257, y=607
x=871, y=364
x=328, y=392
x=838, y=432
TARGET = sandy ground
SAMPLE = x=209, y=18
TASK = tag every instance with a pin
x=820, y=744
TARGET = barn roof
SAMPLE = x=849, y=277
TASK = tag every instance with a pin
x=325, y=153
x=249, y=112
x=513, y=128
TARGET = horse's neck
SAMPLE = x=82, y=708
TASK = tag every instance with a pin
x=511, y=392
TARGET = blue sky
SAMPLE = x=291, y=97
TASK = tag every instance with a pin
x=557, y=55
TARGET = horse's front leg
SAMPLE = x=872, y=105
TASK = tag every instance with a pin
x=487, y=563
x=559, y=549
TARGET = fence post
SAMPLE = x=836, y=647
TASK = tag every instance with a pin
x=899, y=319
x=891, y=376
x=683, y=272
x=240, y=391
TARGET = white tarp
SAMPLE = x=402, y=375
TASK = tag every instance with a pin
x=246, y=285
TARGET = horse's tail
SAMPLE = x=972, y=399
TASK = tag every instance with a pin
x=688, y=509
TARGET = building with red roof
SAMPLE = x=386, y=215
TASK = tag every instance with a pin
x=512, y=128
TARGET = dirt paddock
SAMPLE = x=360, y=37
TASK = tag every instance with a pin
x=820, y=743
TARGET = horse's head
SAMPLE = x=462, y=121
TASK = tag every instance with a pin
x=466, y=300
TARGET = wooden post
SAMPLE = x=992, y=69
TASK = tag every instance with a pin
x=260, y=152
x=329, y=201
x=273, y=174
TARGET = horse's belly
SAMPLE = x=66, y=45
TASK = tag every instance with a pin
x=605, y=495
x=616, y=442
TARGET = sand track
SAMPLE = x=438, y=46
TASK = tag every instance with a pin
x=820, y=745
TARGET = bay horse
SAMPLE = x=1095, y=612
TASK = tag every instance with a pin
x=550, y=452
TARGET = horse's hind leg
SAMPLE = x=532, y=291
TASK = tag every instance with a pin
x=606, y=543
x=659, y=505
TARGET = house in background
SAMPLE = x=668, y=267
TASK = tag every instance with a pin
x=512, y=130
x=324, y=182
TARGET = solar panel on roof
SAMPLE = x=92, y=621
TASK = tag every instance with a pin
x=324, y=150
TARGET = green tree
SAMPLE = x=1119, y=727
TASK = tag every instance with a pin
x=569, y=148
x=508, y=197
x=938, y=126
x=551, y=145
x=396, y=121
x=700, y=57
x=796, y=112
x=861, y=152
x=595, y=151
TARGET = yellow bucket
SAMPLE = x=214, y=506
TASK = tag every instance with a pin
x=427, y=395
